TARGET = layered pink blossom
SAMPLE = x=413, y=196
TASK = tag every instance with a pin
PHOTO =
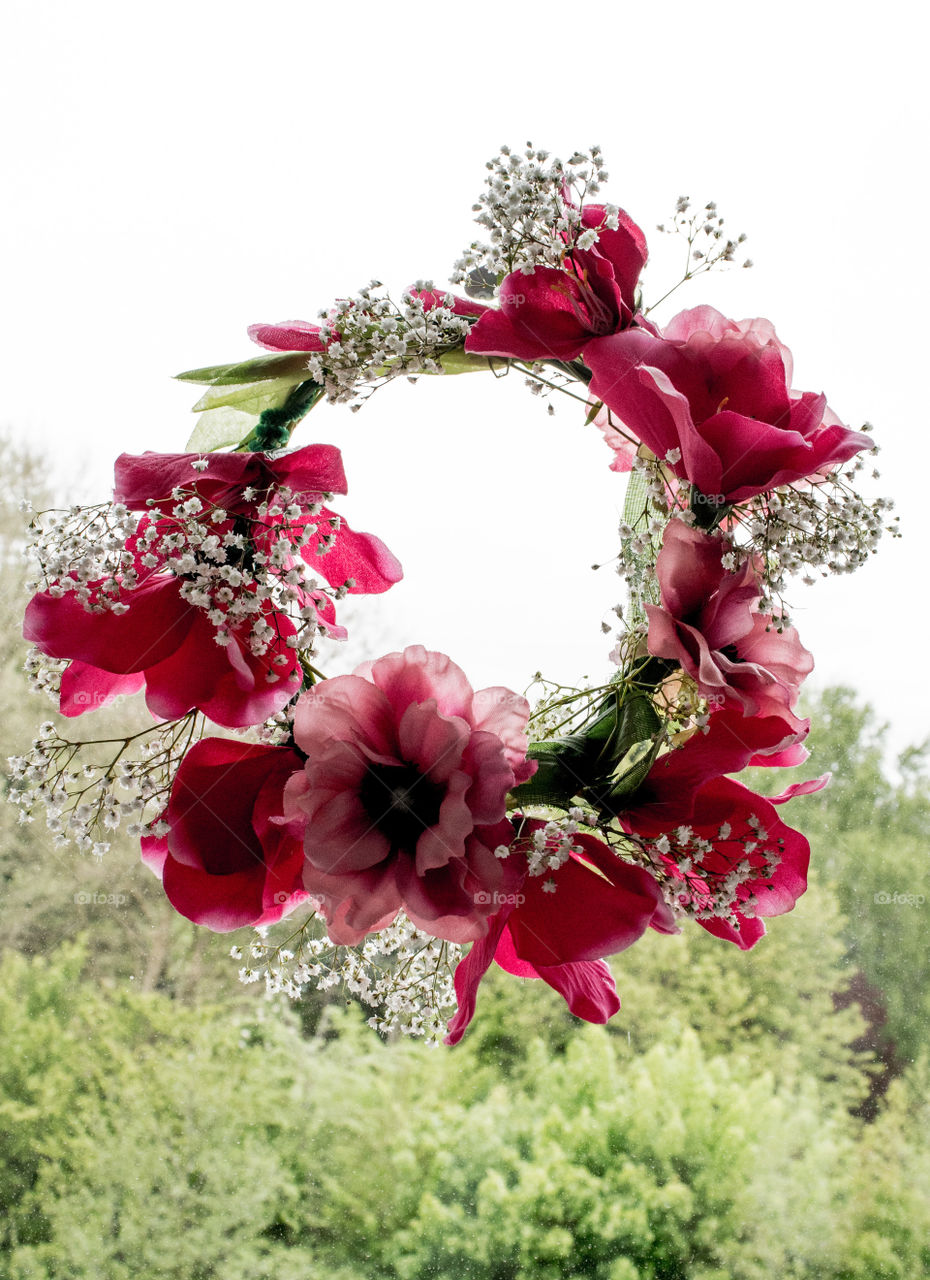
x=552, y=313
x=240, y=482
x=719, y=391
x=169, y=644
x=561, y=925
x=404, y=795
x=228, y=859
x=707, y=622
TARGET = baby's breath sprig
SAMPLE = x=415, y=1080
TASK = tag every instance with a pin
x=532, y=210
x=708, y=246
x=89, y=787
x=401, y=973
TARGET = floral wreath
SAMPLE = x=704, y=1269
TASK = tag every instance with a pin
x=406, y=814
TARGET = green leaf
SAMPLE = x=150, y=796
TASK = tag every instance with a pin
x=461, y=361
x=633, y=769
x=219, y=427
x=558, y=779
x=593, y=412
x=276, y=364
x=249, y=397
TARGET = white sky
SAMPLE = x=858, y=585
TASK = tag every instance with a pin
x=173, y=173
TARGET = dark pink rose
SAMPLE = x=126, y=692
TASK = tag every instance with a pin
x=228, y=859
x=239, y=482
x=404, y=795
x=559, y=927
x=169, y=644
x=707, y=623
x=552, y=313
x=719, y=391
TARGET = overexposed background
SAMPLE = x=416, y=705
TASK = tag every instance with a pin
x=173, y=173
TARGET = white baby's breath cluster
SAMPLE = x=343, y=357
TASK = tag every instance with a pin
x=701, y=891
x=89, y=789
x=371, y=339
x=811, y=531
x=401, y=973
x=532, y=210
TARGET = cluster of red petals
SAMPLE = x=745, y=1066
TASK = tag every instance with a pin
x=403, y=795
x=167, y=643
x=599, y=906
x=688, y=786
x=719, y=391
x=148, y=480
x=228, y=858
x=552, y=313
x=708, y=625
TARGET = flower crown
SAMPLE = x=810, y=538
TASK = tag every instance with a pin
x=403, y=814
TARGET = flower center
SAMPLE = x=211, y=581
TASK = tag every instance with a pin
x=401, y=802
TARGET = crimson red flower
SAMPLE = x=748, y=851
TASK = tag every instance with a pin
x=404, y=795
x=707, y=623
x=718, y=391
x=239, y=482
x=726, y=845
x=228, y=858
x=170, y=644
x=560, y=925
x=553, y=312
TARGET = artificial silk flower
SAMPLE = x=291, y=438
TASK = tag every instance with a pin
x=561, y=924
x=709, y=624
x=551, y=313
x=718, y=392
x=226, y=857
x=404, y=792
x=244, y=484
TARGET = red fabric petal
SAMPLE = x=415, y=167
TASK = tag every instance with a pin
x=153, y=627
x=84, y=688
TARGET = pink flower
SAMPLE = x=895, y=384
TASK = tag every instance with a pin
x=718, y=390
x=169, y=643
x=728, y=846
x=224, y=479
x=290, y=335
x=404, y=795
x=228, y=859
x=708, y=624
x=560, y=926
x=552, y=313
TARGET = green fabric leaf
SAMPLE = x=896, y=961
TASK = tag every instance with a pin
x=249, y=397
x=276, y=364
x=461, y=361
x=219, y=427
